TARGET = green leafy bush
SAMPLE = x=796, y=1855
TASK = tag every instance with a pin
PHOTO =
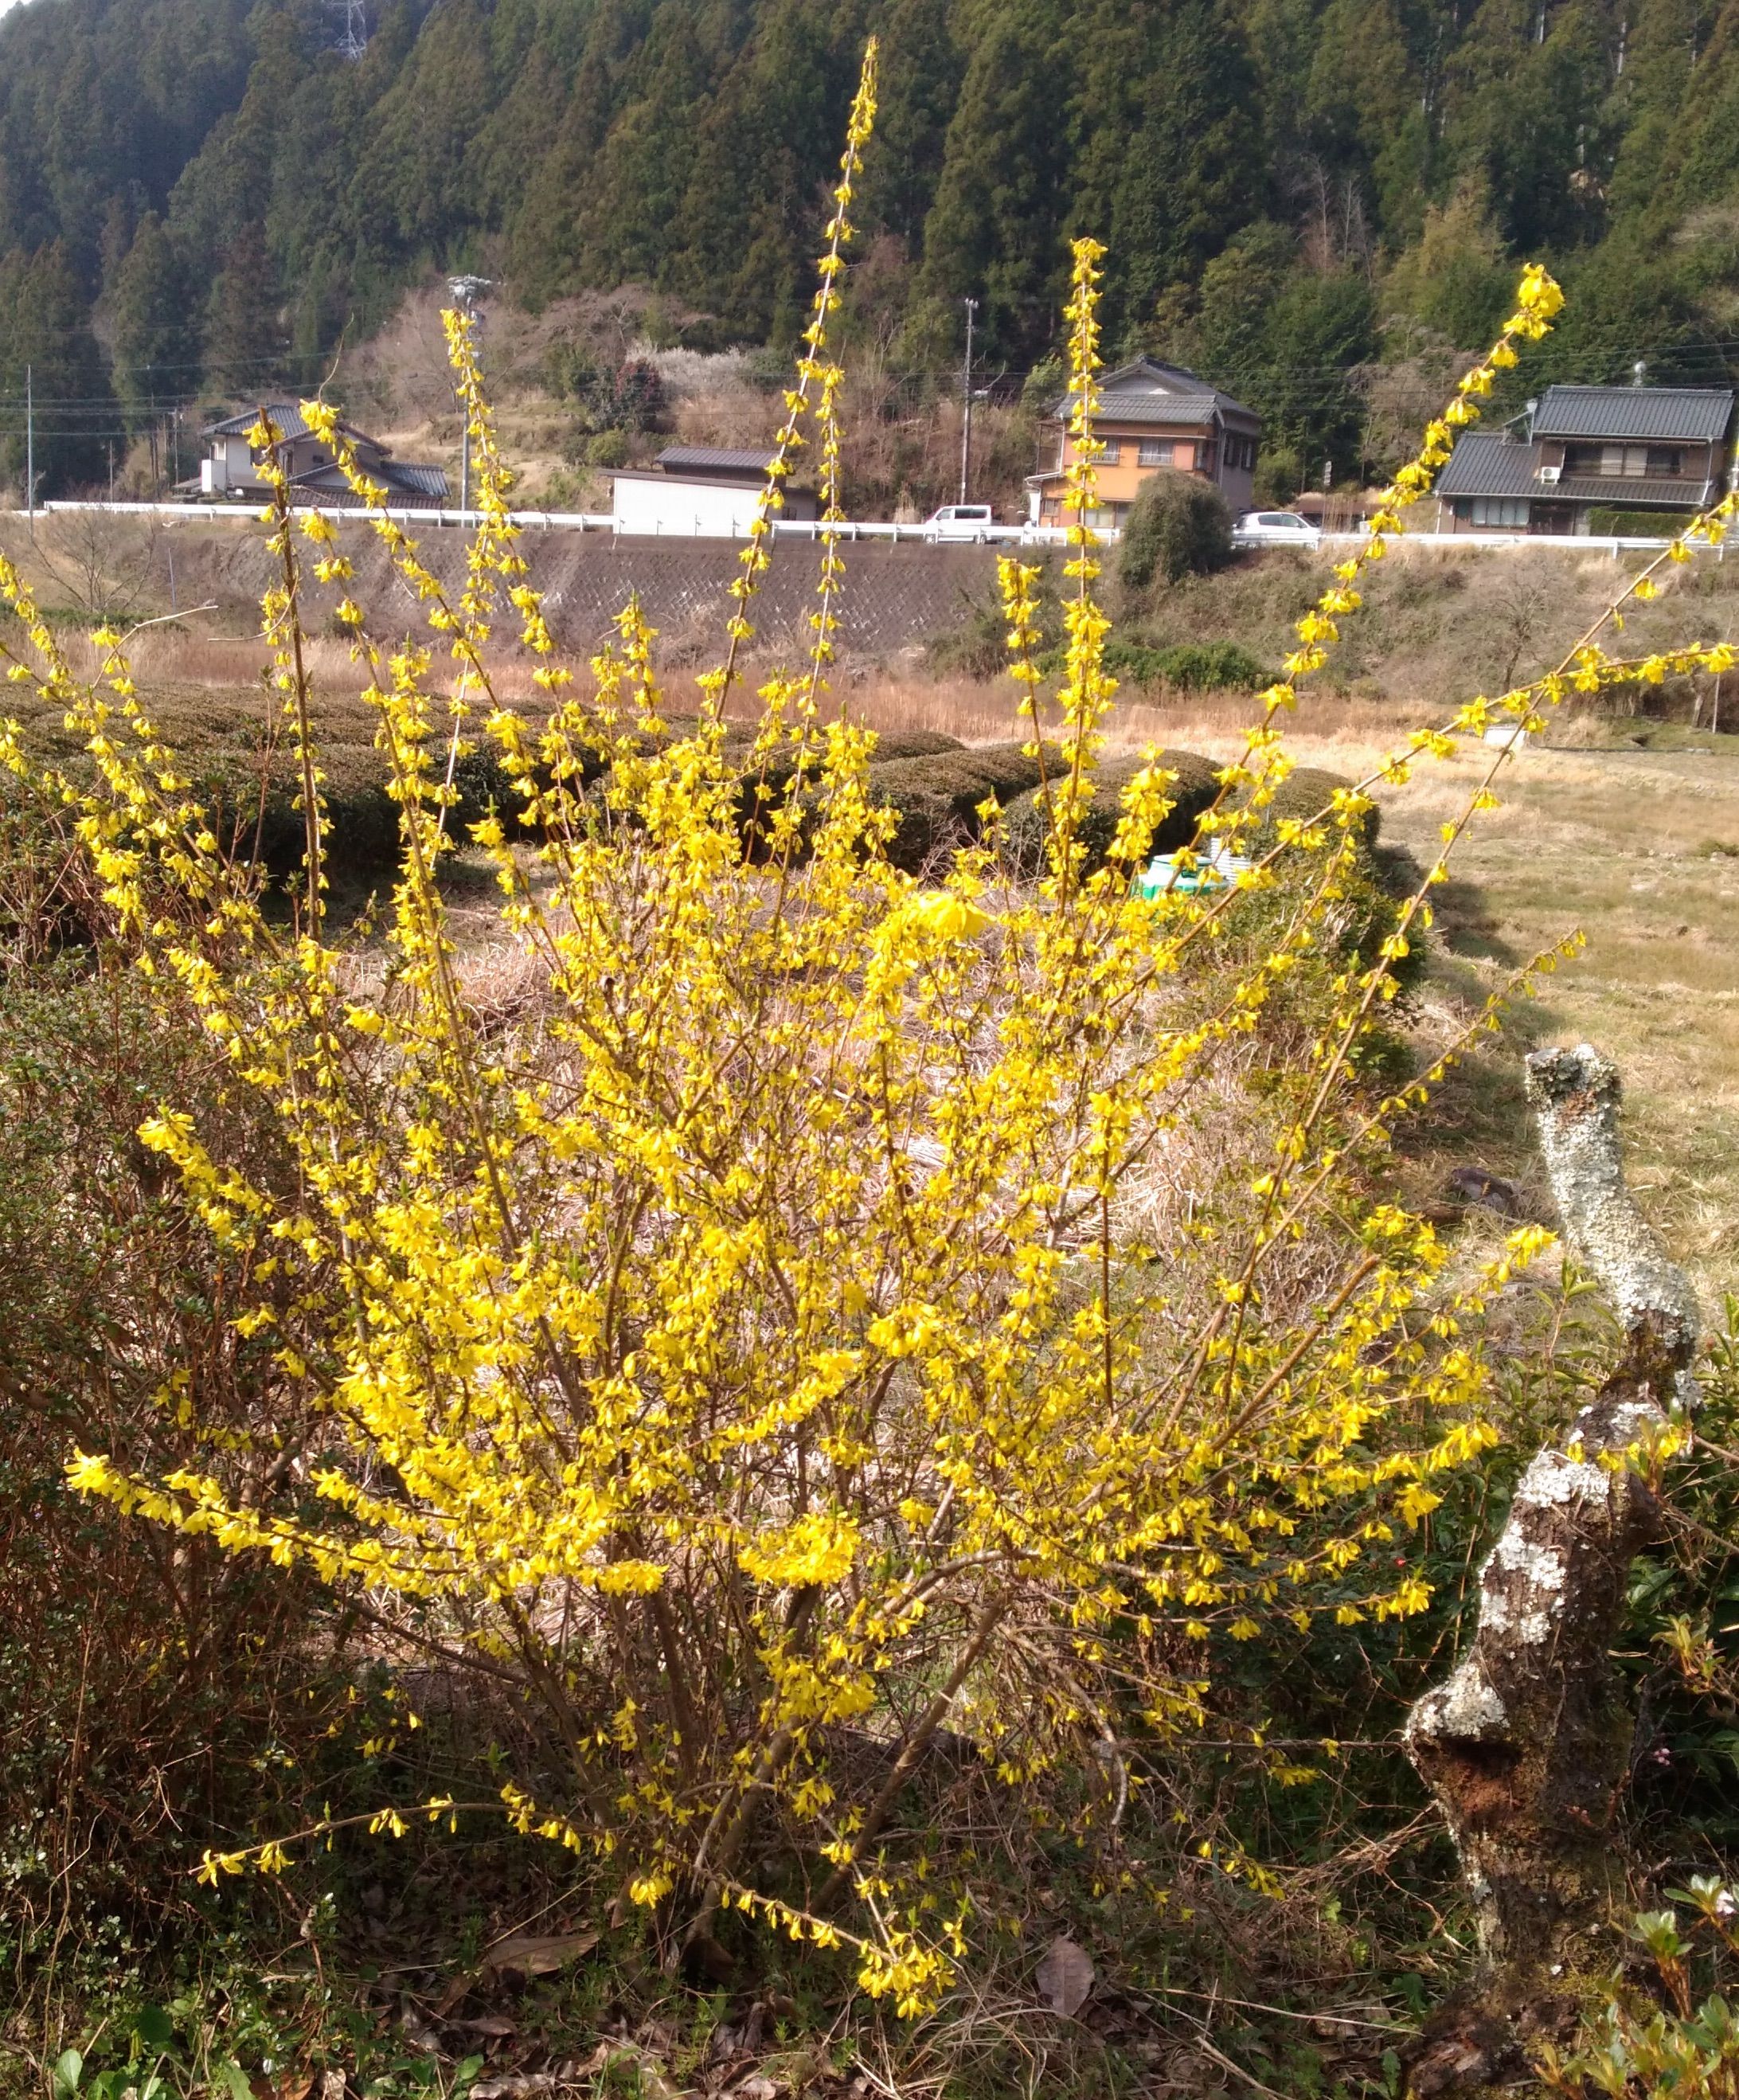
x=1194, y=666
x=1206, y=666
x=1623, y=524
x=1178, y=525
x=1636, y=2044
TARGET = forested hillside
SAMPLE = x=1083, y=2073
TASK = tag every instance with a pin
x=1289, y=188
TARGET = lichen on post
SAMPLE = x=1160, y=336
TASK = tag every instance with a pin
x=1526, y=1744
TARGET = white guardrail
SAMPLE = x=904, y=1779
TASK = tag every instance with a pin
x=592, y=521
x=810, y=529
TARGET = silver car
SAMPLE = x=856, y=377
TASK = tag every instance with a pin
x=1275, y=528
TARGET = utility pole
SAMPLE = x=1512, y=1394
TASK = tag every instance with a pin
x=972, y=309
x=465, y=291
x=29, y=451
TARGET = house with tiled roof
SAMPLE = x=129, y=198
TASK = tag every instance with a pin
x=1582, y=459
x=1154, y=418
x=231, y=469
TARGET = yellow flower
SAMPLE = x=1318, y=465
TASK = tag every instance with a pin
x=943, y=916
x=819, y=1548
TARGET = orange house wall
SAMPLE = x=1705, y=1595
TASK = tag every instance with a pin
x=1120, y=477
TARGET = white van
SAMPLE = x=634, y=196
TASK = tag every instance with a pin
x=958, y=521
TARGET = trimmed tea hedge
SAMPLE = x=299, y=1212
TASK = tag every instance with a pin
x=937, y=797
x=1307, y=792
x=1196, y=787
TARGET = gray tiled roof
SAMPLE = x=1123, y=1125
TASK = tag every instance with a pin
x=289, y=418
x=285, y=414
x=1488, y=465
x=1660, y=492
x=1150, y=392
x=419, y=485
x=712, y=459
x=1693, y=414
x=424, y=480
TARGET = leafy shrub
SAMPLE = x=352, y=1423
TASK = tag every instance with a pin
x=1194, y=666
x=1178, y=525
x=1609, y=521
x=1206, y=666
x=629, y=396
x=1636, y=2043
x=1029, y=815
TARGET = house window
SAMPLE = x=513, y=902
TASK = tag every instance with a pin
x=1622, y=462
x=1156, y=452
x=1500, y=511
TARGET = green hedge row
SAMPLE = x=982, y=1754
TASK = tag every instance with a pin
x=1613, y=522
x=934, y=784
x=1304, y=794
x=1197, y=785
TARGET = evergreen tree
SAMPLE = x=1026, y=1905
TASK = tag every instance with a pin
x=244, y=343
x=151, y=312
x=761, y=161
x=629, y=223
x=994, y=231
x=920, y=82
x=415, y=189
x=1531, y=117
x=1164, y=174
x=45, y=332
x=1322, y=324
x=1360, y=100
x=1232, y=340
x=1457, y=280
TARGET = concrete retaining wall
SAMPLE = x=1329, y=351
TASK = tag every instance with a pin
x=896, y=597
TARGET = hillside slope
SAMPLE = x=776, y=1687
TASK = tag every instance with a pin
x=1289, y=188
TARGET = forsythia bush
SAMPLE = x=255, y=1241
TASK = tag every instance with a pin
x=833, y=1306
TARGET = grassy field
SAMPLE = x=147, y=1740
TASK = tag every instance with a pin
x=1639, y=850
x=1633, y=841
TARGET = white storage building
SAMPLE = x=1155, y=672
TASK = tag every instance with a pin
x=699, y=492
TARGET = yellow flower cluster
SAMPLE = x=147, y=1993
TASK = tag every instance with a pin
x=794, y=1317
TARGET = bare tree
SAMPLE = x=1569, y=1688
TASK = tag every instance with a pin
x=106, y=564
x=1527, y=1744
x=1522, y=609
